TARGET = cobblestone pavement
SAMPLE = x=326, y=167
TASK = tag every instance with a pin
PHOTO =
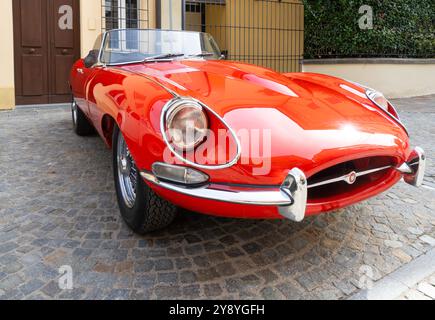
x=57, y=207
x=425, y=290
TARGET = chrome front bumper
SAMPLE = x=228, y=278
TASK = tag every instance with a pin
x=291, y=198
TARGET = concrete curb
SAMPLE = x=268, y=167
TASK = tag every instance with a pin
x=369, y=61
x=395, y=284
x=43, y=106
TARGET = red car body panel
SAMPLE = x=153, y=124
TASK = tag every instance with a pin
x=316, y=122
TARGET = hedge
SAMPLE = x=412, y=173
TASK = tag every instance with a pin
x=401, y=29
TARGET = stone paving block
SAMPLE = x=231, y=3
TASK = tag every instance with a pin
x=290, y=291
x=167, y=292
x=213, y=290
x=428, y=240
x=51, y=289
x=11, y=282
x=31, y=286
x=270, y=293
x=191, y=292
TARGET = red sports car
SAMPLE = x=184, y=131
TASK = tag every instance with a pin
x=190, y=129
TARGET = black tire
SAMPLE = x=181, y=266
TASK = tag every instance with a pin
x=81, y=125
x=149, y=212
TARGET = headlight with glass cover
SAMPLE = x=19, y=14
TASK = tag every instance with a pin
x=379, y=99
x=383, y=103
x=186, y=125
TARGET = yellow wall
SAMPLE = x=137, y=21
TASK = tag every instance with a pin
x=193, y=21
x=172, y=14
x=90, y=24
x=262, y=32
x=394, y=80
x=7, y=81
x=147, y=14
x=91, y=20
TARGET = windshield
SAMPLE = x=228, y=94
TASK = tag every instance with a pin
x=133, y=45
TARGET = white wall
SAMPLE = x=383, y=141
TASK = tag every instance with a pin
x=394, y=80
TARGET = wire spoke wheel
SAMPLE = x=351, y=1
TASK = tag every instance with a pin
x=141, y=208
x=127, y=173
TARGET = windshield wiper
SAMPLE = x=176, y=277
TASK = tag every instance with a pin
x=168, y=56
x=202, y=55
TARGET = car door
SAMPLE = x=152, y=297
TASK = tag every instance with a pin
x=83, y=76
x=91, y=85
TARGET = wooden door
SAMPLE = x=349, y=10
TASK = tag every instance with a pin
x=47, y=42
x=31, y=51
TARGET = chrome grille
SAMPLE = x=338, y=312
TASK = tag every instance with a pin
x=349, y=176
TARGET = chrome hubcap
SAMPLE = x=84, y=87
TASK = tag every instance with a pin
x=127, y=173
x=74, y=112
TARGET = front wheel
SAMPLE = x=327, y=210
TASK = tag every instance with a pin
x=141, y=208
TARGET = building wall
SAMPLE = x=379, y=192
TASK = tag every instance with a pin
x=90, y=24
x=91, y=20
x=267, y=33
x=250, y=34
x=194, y=20
x=7, y=81
x=147, y=14
x=395, y=78
x=90, y=27
x=171, y=14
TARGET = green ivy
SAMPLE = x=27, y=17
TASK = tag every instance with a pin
x=401, y=28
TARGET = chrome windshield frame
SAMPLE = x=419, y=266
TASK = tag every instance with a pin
x=106, y=34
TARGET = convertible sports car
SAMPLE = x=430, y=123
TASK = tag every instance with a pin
x=190, y=129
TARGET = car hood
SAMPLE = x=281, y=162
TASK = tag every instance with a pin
x=312, y=101
x=311, y=118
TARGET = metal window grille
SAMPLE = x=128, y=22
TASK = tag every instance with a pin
x=269, y=33
x=125, y=14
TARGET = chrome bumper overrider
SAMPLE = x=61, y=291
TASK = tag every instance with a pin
x=414, y=170
x=291, y=198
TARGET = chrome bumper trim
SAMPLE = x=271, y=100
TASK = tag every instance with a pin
x=291, y=198
x=415, y=169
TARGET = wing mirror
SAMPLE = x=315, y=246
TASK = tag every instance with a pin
x=91, y=59
x=224, y=55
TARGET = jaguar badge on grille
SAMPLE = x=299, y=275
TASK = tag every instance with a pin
x=351, y=177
